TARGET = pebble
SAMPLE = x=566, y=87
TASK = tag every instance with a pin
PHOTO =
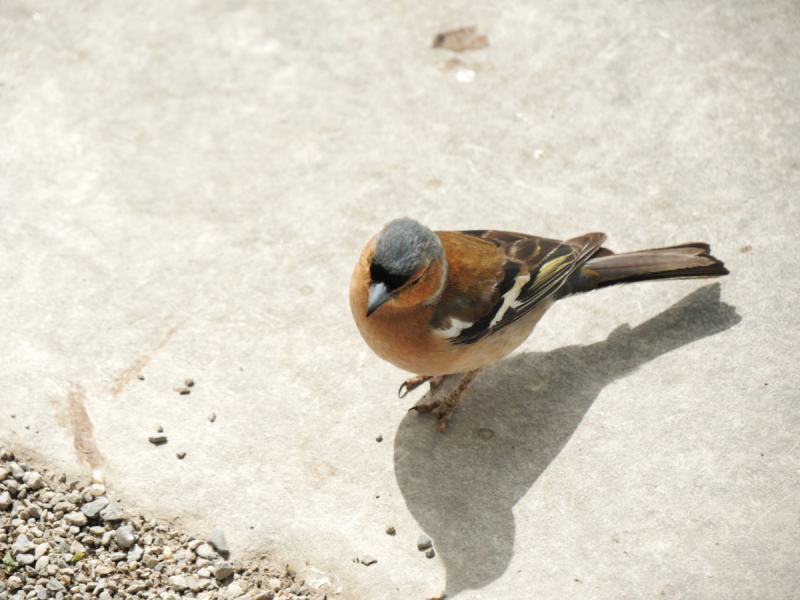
x=124, y=536
x=217, y=539
x=430, y=553
x=76, y=518
x=178, y=583
x=367, y=560
x=212, y=417
x=22, y=545
x=379, y=438
x=188, y=382
x=33, y=480
x=182, y=390
x=135, y=553
x=46, y=521
x=181, y=455
x=92, y=509
x=424, y=542
x=17, y=471
x=112, y=512
x=41, y=550
x=158, y=439
x=391, y=530
x=223, y=571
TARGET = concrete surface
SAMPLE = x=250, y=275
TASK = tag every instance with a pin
x=186, y=186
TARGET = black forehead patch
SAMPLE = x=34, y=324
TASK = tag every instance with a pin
x=380, y=275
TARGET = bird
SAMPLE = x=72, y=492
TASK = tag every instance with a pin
x=437, y=303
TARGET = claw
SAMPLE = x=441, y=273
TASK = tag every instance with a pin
x=413, y=383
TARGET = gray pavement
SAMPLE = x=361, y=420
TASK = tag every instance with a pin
x=185, y=188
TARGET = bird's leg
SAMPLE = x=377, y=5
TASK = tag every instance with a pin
x=414, y=382
x=443, y=408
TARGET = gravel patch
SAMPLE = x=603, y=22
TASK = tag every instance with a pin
x=64, y=540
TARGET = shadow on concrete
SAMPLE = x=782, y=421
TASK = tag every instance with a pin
x=461, y=488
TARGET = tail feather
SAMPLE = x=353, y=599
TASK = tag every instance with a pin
x=674, y=262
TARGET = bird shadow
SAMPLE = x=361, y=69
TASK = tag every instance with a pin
x=461, y=487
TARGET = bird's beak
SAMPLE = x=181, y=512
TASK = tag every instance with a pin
x=378, y=295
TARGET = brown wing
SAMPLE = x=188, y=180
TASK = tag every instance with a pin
x=527, y=270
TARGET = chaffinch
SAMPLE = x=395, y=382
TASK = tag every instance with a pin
x=437, y=303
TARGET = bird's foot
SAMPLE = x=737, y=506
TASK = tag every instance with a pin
x=443, y=408
x=413, y=383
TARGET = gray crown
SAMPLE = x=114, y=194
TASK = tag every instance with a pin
x=405, y=245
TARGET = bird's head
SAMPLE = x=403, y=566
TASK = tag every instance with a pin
x=407, y=266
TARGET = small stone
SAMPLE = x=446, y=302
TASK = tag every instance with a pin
x=112, y=512
x=234, y=591
x=135, y=553
x=182, y=390
x=97, y=477
x=430, y=553
x=275, y=584
x=149, y=561
x=96, y=490
x=485, y=434
x=54, y=585
x=76, y=547
x=180, y=455
x=424, y=542
x=204, y=573
x=17, y=471
x=41, y=550
x=34, y=511
x=33, y=480
x=93, y=509
x=158, y=439
x=22, y=545
x=212, y=417
x=136, y=588
x=217, y=539
x=379, y=438
x=5, y=500
x=76, y=518
x=204, y=551
x=390, y=530
x=178, y=583
x=223, y=571
x=267, y=596
x=104, y=596
x=42, y=562
x=124, y=536
x=188, y=382
x=14, y=582
x=367, y=560
x=160, y=429
x=435, y=593
x=24, y=559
